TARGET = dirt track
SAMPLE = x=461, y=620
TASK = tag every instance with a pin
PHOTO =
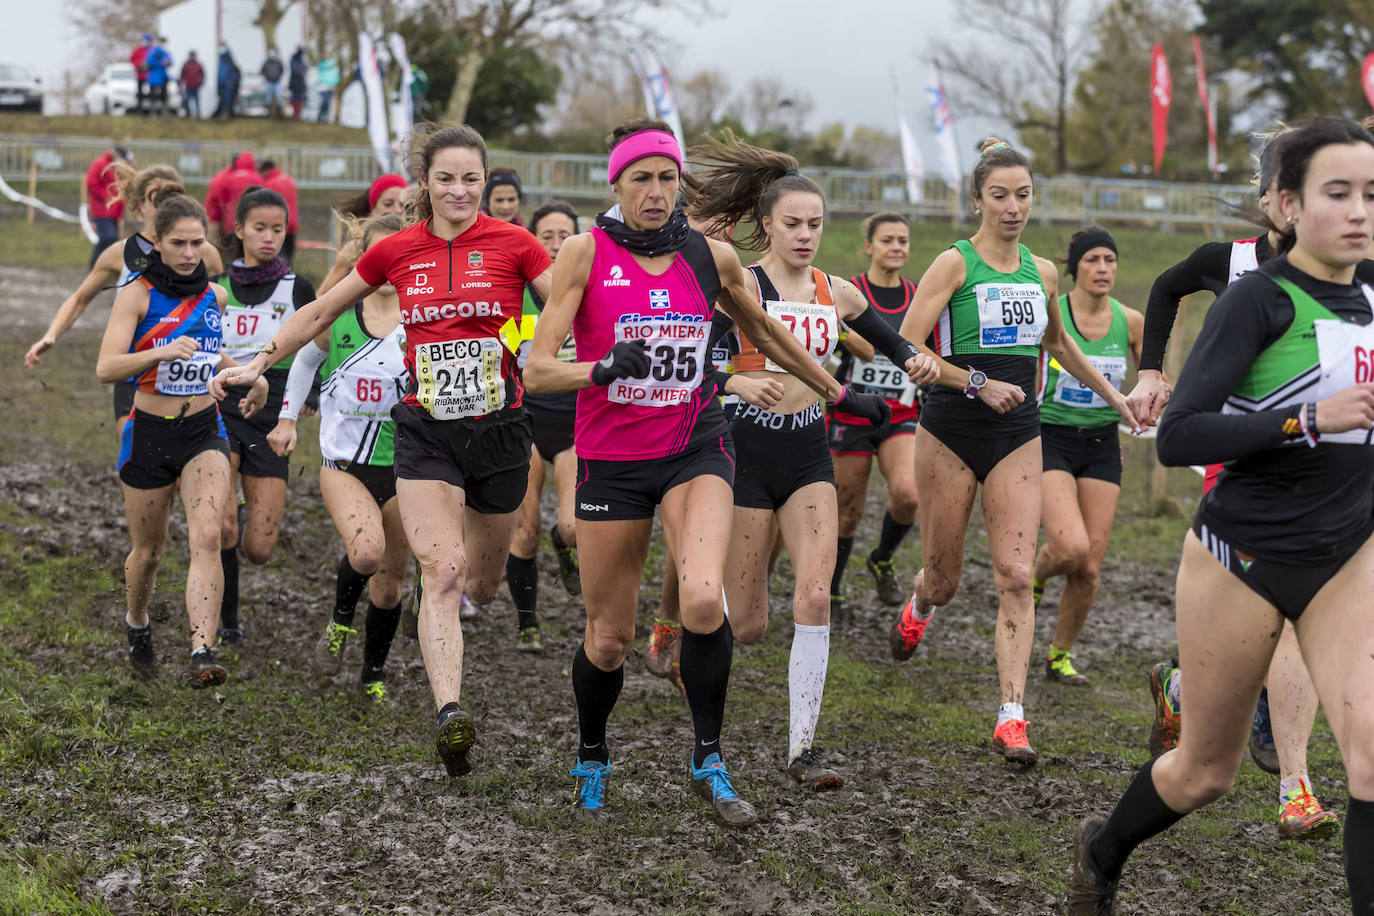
x=276, y=793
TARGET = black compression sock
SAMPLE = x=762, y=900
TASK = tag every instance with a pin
x=381, y=629
x=1359, y=847
x=842, y=548
x=347, y=591
x=705, y=663
x=892, y=535
x=522, y=577
x=1139, y=815
x=596, y=693
x=229, y=603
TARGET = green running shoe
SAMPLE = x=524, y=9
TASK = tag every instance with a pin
x=329, y=651
x=885, y=582
x=456, y=736
x=376, y=691
x=1059, y=667
x=528, y=640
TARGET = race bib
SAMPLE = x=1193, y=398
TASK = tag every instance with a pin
x=1010, y=314
x=460, y=378
x=1347, y=358
x=186, y=378
x=677, y=351
x=883, y=377
x=816, y=328
x=1073, y=393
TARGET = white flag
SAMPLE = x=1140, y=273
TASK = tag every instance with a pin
x=376, y=100
x=944, y=130
x=658, y=91
x=403, y=116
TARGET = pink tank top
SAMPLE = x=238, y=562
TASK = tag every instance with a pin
x=636, y=419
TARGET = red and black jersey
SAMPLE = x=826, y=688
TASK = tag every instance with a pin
x=462, y=289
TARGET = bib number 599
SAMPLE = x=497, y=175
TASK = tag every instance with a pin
x=1018, y=311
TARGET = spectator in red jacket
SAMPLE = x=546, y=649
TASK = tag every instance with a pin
x=139, y=58
x=103, y=203
x=273, y=177
x=192, y=78
x=222, y=198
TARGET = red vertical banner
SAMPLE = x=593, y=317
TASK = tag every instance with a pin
x=1208, y=111
x=1161, y=97
x=1367, y=77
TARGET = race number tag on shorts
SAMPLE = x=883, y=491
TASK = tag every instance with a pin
x=1074, y=393
x=881, y=376
x=816, y=327
x=677, y=353
x=1011, y=314
x=1347, y=358
x=460, y=378
x=185, y=378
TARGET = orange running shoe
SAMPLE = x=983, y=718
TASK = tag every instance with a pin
x=1009, y=740
x=1303, y=818
x=907, y=632
x=1164, y=731
x=661, y=658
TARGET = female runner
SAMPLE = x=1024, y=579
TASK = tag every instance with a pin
x=639, y=291
x=887, y=242
x=783, y=467
x=551, y=415
x=462, y=433
x=263, y=292
x=118, y=264
x=1078, y=435
x=385, y=195
x=990, y=296
x=363, y=360
x=1278, y=386
x=502, y=197
x=164, y=332
x=1279, y=744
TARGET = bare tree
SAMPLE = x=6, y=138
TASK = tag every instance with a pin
x=487, y=25
x=702, y=98
x=109, y=28
x=270, y=15
x=772, y=107
x=1027, y=80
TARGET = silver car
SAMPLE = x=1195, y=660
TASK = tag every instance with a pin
x=116, y=92
x=20, y=90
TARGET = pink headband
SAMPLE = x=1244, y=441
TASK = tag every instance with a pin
x=382, y=185
x=641, y=145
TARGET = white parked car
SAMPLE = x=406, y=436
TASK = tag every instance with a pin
x=20, y=90
x=116, y=92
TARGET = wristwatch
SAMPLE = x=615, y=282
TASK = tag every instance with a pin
x=976, y=380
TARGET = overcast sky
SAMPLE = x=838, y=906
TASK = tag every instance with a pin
x=841, y=53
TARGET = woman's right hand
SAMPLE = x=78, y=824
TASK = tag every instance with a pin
x=232, y=377
x=1001, y=396
x=40, y=346
x=1149, y=396
x=1350, y=409
x=282, y=438
x=627, y=359
x=763, y=393
x=178, y=348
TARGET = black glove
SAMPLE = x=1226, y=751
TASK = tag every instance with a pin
x=627, y=359
x=869, y=406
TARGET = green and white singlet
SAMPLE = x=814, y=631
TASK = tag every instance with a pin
x=362, y=378
x=995, y=313
x=1064, y=400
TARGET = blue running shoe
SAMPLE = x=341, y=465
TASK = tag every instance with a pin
x=1262, y=749
x=590, y=792
x=712, y=782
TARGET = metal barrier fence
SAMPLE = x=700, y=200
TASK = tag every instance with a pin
x=582, y=178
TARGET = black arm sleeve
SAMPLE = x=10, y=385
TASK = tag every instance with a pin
x=1248, y=316
x=721, y=324
x=303, y=293
x=721, y=379
x=1210, y=261
x=885, y=340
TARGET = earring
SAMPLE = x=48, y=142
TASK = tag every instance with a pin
x=977, y=211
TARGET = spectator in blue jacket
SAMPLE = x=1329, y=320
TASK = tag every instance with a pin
x=227, y=83
x=296, y=84
x=157, y=71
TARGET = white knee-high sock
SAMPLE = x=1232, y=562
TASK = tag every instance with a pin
x=806, y=684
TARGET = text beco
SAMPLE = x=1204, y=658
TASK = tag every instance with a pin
x=450, y=350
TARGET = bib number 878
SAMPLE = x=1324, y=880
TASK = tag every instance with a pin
x=1018, y=311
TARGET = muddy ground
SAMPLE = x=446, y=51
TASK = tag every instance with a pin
x=280, y=793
